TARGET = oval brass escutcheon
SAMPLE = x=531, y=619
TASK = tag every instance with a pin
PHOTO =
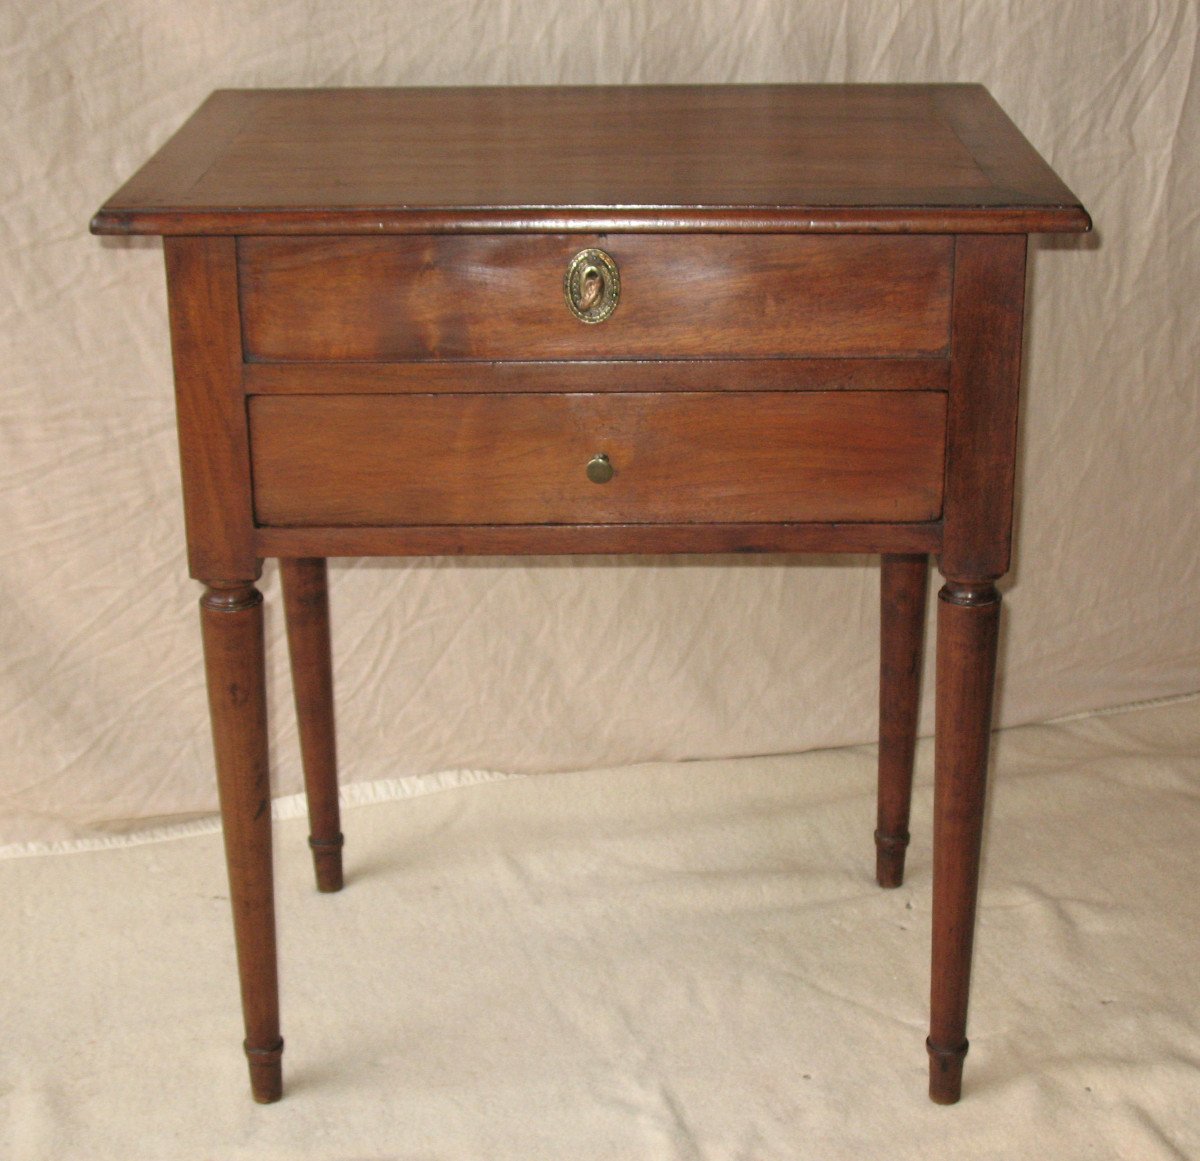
x=592, y=285
x=599, y=469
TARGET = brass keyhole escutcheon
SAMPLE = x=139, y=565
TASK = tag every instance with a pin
x=592, y=285
x=599, y=469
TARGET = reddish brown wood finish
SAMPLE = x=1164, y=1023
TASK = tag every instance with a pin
x=210, y=409
x=453, y=386
x=522, y=459
x=559, y=539
x=232, y=629
x=909, y=374
x=306, y=610
x=501, y=297
x=939, y=159
x=985, y=376
x=903, y=584
x=968, y=620
x=981, y=446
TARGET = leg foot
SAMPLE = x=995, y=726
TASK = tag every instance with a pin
x=266, y=1072
x=890, y=850
x=327, y=862
x=945, y=1073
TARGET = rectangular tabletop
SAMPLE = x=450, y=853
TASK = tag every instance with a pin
x=789, y=158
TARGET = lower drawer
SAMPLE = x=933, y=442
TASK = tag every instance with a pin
x=523, y=459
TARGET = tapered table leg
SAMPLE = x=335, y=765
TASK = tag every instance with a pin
x=903, y=584
x=232, y=627
x=306, y=609
x=968, y=620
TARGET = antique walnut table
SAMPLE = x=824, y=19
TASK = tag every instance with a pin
x=598, y=320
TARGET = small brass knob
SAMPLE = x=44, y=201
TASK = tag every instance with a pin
x=599, y=469
x=592, y=286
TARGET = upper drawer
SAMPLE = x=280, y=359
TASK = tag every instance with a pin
x=681, y=297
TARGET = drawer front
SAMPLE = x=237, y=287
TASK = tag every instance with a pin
x=523, y=459
x=501, y=297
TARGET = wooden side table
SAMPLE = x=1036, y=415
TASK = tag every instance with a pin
x=598, y=320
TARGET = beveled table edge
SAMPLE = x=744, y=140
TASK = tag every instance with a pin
x=383, y=220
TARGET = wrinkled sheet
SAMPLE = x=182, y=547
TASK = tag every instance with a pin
x=669, y=961
x=526, y=667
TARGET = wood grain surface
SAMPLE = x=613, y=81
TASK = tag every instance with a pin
x=210, y=409
x=889, y=158
x=502, y=297
x=589, y=539
x=404, y=378
x=981, y=435
x=521, y=459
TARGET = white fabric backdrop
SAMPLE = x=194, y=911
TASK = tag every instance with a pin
x=568, y=664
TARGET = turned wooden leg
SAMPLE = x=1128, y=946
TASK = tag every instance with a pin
x=968, y=619
x=903, y=583
x=306, y=609
x=232, y=626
